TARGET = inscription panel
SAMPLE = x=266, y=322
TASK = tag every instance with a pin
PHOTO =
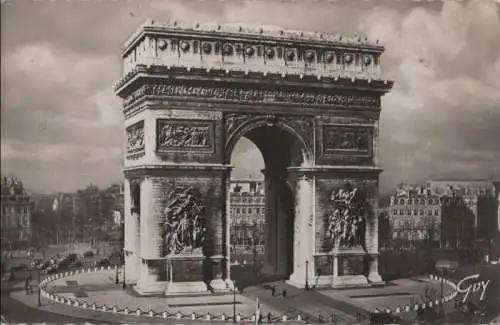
x=323, y=264
x=135, y=140
x=185, y=135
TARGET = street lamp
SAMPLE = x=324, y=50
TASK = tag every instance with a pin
x=116, y=275
x=234, y=301
x=39, y=290
x=443, y=275
x=307, y=276
x=124, y=286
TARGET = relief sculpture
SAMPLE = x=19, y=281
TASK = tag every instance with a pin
x=346, y=217
x=179, y=135
x=347, y=140
x=255, y=95
x=184, y=227
x=135, y=137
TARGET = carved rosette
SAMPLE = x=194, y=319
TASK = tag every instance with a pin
x=135, y=140
x=346, y=217
x=255, y=96
x=184, y=135
x=184, y=229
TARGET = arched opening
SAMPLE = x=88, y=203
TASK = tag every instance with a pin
x=269, y=149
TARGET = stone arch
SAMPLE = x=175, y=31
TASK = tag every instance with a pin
x=234, y=134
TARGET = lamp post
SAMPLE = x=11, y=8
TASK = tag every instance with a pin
x=443, y=275
x=124, y=285
x=116, y=274
x=307, y=276
x=39, y=290
x=234, y=302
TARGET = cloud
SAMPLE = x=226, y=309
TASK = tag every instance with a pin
x=62, y=124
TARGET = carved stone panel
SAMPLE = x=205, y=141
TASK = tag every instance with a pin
x=323, y=264
x=248, y=95
x=348, y=140
x=351, y=265
x=135, y=140
x=185, y=135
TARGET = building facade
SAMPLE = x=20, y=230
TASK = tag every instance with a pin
x=470, y=208
x=247, y=214
x=415, y=217
x=453, y=213
x=16, y=209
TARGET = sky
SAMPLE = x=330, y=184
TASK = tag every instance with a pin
x=61, y=124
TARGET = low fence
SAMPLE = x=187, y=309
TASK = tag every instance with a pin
x=166, y=314
x=428, y=304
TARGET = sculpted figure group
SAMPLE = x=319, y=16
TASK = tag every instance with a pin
x=346, y=217
x=181, y=136
x=184, y=227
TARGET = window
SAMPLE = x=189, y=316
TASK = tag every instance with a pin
x=436, y=212
x=237, y=210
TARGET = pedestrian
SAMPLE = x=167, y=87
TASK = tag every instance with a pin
x=27, y=284
x=269, y=317
x=284, y=293
x=273, y=291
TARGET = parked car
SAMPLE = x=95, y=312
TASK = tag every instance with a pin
x=88, y=254
x=104, y=262
x=36, y=263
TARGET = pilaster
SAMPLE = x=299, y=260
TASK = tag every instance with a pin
x=303, y=239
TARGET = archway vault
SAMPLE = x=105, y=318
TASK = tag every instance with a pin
x=190, y=93
x=240, y=125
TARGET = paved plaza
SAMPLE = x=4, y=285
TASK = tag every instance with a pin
x=345, y=305
x=100, y=288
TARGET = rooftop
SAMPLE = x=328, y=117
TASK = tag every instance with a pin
x=249, y=30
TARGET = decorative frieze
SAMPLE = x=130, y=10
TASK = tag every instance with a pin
x=135, y=140
x=351, y=140
x=185, y=135
x=251, y=96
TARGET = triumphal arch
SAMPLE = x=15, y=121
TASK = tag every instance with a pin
x=309, y=101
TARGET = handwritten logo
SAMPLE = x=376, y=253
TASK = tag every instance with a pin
x=473, y=286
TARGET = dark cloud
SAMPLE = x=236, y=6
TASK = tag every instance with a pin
x=62, y=125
